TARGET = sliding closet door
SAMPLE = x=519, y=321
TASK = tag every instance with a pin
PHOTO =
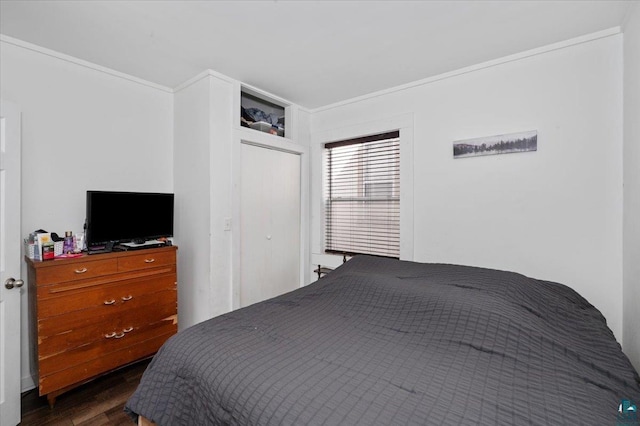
x=269, y=223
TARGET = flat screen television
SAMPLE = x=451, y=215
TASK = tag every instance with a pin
x=123, y=217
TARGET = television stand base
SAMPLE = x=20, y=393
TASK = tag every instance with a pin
x=141, y=246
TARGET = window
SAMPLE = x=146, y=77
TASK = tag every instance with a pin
x=363, y=195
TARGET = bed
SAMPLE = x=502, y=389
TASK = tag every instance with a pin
x=383, y=342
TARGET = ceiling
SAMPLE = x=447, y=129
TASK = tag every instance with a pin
x=312, y=53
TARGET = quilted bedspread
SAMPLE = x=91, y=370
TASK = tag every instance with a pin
x=387, y=342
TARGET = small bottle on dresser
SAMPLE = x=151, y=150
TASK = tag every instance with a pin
x=68, y=245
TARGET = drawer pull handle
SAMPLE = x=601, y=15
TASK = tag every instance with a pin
x=127, y=330
x=149, y=260
x=110, y=302
x=81, y=271
x=126, y=298
x=110, y=335
x=119, y=336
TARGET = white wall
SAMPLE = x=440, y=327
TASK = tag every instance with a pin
x=192, y=177
x=82, y=128
x=554, y=214
x=631, y=290
x=202, y=167
x=222, y=116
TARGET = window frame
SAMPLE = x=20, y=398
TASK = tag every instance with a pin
x=359, y=161
x=328, y=127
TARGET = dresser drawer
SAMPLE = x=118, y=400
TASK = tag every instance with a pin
x=94, y=367
x=90, y=332
x=76, y=271
x=146, y=261
x=105, y=314
x=123, y=292
x=99, y=341
x=68, y=287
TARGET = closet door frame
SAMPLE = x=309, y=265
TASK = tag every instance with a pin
x=267, y=141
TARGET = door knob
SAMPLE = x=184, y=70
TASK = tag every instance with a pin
x=11, y=283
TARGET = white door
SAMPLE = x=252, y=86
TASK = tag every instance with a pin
x=10, y=282
x=269, y=223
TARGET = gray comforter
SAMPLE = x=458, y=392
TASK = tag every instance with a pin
x=387, y=342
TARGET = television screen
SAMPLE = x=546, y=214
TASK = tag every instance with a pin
x=122, y=217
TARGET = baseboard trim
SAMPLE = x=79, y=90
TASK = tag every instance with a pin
x=27, y=383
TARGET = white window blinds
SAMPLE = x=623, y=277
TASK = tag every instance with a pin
x=363, y=195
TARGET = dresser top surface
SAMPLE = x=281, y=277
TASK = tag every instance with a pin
x=95, y=257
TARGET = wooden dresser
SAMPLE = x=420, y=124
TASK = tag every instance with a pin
x=93, y=314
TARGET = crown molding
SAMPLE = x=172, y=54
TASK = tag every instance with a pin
x=81, y=62
x=488, y=64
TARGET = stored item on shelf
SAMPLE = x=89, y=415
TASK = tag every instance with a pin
x=261, y=114
x=261, y=125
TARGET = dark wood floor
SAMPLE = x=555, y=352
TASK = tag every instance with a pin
x=96, y=403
